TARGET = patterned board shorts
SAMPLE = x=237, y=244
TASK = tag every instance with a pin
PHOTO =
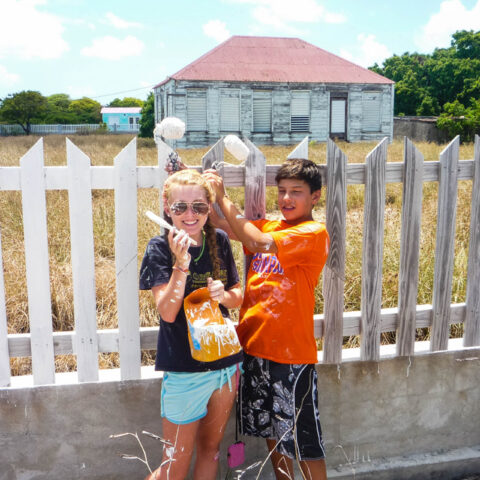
x=279, y=401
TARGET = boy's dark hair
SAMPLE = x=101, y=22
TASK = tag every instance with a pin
x=300, y=169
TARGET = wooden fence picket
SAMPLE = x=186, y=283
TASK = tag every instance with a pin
x=214, y=158
x=83, y=263
x=445, y=242
x=37, y=264
x=300, y=151
x=409, y=248
x=372, y=257
x=126, y=251
x=472, y=318
x=334, y=272
x=4, y=351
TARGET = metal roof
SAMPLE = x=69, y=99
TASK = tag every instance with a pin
x=274, y=59
x=121, y=110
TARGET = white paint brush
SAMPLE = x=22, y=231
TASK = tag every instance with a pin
x=160, y=221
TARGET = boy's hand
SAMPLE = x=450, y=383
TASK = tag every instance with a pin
x=216, y=182
x=216, y=289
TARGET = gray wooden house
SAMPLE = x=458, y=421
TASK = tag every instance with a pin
x=275, y=91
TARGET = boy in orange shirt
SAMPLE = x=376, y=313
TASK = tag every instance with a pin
x=278, y=396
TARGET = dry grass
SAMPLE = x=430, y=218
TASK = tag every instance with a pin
x=103, y=148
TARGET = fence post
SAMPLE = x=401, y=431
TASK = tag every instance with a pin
x=83, y=263
x=445, y=242
x=409, y=248
x=255, y=182
x=334, y=273
x=37, y=263
x=4, y=353
x=372, y=258
x=163, y=152
x=215, y=156
x=472, y=317
x=126, y=250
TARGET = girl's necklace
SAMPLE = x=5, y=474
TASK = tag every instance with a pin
x=201, y=251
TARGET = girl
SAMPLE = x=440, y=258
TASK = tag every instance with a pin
x=196, y=397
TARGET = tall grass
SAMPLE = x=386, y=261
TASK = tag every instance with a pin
x=103, y=148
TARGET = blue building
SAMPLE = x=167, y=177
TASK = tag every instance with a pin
x=121, y=119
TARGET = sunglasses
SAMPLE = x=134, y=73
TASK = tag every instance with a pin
x=199, y=208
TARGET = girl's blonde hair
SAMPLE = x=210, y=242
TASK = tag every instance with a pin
x=194, y=178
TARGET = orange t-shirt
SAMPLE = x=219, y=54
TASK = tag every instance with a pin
x=276, y=318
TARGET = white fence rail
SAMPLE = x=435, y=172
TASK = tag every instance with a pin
x=33, y=179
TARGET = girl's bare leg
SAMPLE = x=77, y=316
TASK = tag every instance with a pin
x=211, y=431
x=182, y=437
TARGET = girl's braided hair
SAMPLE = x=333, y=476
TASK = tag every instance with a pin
x=194, y=178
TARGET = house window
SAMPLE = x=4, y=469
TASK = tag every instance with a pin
x=230, y=110
x=196, y=110
x=371, y=111
x=300, y=111
x=262, y=111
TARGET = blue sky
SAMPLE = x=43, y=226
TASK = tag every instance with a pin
x=104, y=49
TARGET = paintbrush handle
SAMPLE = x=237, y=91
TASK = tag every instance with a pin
x=160, y=221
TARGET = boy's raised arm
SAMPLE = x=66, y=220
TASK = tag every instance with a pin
x=251, y=237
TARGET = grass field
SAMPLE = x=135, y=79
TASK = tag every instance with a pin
x=103, y=148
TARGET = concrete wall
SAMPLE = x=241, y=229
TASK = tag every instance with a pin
x=401, y=418
x=419, y=129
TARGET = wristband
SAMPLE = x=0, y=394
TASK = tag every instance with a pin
x=185, y=271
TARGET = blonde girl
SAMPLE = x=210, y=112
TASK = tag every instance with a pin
x=197, y=397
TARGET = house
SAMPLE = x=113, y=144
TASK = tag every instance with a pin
x=121, y=119
x=275, y=91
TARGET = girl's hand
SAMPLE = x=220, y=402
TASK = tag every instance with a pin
x=179, y=242
x=216, y=289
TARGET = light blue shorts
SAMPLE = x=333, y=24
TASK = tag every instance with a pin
x=185, y=395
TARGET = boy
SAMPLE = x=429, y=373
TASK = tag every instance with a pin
x=278, y=397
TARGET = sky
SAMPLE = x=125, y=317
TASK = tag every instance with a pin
x=106, y=49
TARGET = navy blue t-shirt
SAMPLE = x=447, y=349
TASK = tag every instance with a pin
x=173, y=349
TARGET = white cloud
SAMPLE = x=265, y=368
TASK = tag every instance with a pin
x=451, y=16
x=217, y=30
x=118, y=22
x=367, y=51
x=282, y=13
x=7, y=78
x=27, y=33
x=112, y=48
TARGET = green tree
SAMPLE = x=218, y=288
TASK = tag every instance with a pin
x=58, y=109
x=126, y=102
x=23, y=108
x=85, y=110
x=147, y=120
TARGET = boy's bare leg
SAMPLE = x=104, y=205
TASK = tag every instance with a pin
x=283, y=466
x=314, y=469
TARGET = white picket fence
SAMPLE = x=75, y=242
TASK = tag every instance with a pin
x=33, y=179
x=58, y=129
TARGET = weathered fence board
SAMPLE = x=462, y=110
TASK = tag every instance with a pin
x=4, y=351
x=126, y=251
x=83, y=263
x=214, y=159
x=372, y=257
x=254, y=183
x=334, y=273
x=409, y=248
x=108, y=340
x=300, y=151
x=472, y=317
x=37, y=264
x=445, y=242
x=153, y=177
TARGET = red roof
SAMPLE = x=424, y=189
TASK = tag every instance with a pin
x=274, y=59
